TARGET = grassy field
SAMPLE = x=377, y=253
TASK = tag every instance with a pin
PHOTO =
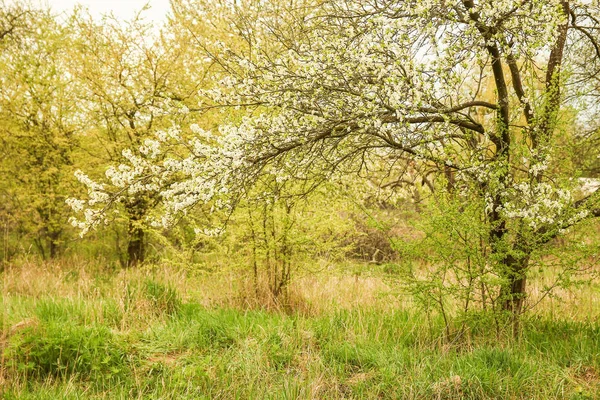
x=83, y=332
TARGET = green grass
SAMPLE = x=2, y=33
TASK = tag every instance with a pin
x=226, y=353
x=145, y=339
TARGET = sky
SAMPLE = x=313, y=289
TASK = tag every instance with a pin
x=123, y=9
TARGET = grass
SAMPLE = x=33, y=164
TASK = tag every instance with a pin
x=160, y=333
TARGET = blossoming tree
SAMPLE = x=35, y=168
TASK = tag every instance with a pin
x=473, y=89
x=131, y=85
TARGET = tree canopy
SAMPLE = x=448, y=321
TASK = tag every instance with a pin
x=482, y=93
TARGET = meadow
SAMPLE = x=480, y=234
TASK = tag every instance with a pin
x=80, y=330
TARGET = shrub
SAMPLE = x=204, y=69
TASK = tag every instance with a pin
x=61, y=350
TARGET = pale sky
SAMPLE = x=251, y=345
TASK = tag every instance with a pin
x=123, y=9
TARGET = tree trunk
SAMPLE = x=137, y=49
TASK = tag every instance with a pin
x=54, y=244
x=513, y=294
x=449, y=174
x=136, y=248
x=136, y=236
x=53, y=249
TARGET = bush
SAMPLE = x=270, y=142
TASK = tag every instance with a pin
x=60, y=350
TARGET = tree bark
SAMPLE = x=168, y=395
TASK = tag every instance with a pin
x=54, y=245
x=515, y=289
x=513, y=294
x=136, y=248
x=136, y=245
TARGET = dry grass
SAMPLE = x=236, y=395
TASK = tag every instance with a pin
x=312, y=294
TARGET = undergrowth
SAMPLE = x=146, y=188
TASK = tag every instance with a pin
x=143, y=336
